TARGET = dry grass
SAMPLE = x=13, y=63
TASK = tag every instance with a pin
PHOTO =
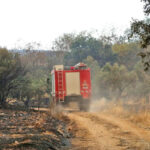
x=141, y=117
x=137, y=112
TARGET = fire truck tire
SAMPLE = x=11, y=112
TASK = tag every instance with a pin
x=65, y=103
x=84, y=104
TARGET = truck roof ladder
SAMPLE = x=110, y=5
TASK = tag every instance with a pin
x=60, y=86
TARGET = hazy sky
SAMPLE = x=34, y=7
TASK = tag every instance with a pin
x=44, y=20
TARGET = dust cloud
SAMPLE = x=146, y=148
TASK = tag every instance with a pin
x=98, y=105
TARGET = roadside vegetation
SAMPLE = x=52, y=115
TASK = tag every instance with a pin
x=117, y=72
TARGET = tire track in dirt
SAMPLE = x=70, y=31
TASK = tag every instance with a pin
x=95, y=131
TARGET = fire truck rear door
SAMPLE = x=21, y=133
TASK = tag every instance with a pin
x=72, y=83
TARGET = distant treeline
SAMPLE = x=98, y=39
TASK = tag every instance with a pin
x=116, y=70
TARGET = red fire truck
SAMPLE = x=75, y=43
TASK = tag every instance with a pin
x=71, y=83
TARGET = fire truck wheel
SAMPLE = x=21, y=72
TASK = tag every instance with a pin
x=84, y=104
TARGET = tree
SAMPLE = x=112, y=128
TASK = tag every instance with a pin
x=84, y=45
x=10, y=70
x=61, y=46
x=141, y=29
x=23, y=91
x=142, y=87
x=38, y=66
x=63, y=43
x=115, y=79
x=127, y=53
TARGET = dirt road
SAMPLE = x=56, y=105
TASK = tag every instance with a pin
x=97, y=131
x=72, y=130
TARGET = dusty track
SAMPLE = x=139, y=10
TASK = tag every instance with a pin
x=97, y=131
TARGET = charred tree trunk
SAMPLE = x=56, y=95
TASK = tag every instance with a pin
x=27, y=102
x=2, y=101
x=39, y=101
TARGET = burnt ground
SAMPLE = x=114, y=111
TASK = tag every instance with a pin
x=34, y=130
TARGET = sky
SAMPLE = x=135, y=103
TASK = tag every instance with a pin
x=24, y=21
